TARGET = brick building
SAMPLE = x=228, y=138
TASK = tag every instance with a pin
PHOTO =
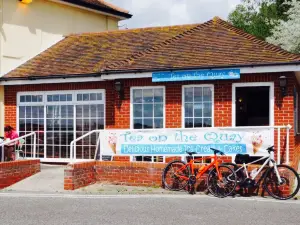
x=97, y=80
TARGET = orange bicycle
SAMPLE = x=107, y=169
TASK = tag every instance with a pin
x=178, y=174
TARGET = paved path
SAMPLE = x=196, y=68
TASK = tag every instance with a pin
x=32, y=209
x=50, y=179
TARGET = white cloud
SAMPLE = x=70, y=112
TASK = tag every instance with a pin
x=170, y=12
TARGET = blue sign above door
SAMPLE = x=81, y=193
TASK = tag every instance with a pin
x=225, y=74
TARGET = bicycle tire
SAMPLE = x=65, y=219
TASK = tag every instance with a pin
x=165, y=180
x=211, y=182
x=271, y=173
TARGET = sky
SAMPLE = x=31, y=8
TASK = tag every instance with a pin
x=148, y=13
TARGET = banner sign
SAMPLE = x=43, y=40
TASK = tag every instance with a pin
x=196, y=75
x=231, y=141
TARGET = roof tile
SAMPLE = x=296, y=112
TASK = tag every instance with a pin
x=215, y=43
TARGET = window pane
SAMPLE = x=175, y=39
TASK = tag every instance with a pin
x=99, y=96
x=40, y=98
x=137, y=96
x=93, y=110
x=22, y=98
x=207, y=122
x=22, y=125
x=86, y=111
x=28, y=98
x=158, y=95
x=137, y=124
x=63, y=124
x=22, y=112
x=198, y=94
x=93, y=97
x=79, y=97
x=79, y=124
x=63, y=98
x=198, y=122
x=198, y=110
x=28, y=111
x=34, y=112
x=100, y=124
x=79, y=112
x=147, y=95
x=207, y=110
x=69, y=97
x=100, y=110
x=85, y=97
x=50, y=111
x=158, y=110
x=188, y=123
x=207, y=94
x=49, y=98
x=148, y=110
x=188, y=110
x=41, y=111
x=49, y=124
x=158, y=123
x=70, y=109
x=148, y=124
x=188, y=94
x=137, y=110
x=55, y=98
x=34, y=98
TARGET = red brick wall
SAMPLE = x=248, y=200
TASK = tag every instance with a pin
x=12, y=172
x=118, y=112
x=79, y=175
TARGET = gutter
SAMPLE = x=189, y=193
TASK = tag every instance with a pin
x=109, y=74
x=197, y=67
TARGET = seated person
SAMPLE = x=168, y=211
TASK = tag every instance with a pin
x=10, y=134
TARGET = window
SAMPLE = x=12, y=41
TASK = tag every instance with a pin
x=148, y=108
x=147, y=112
x=198, y=106
x=59, y=117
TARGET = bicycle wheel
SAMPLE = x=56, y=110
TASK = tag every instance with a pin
x=289, y=186
x=226, y=186
x=240, y=174
x=174, y=177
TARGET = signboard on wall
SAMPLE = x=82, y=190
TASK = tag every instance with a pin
x=168, y=76
x=166, y=142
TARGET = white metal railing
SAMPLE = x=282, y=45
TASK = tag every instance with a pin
x=33, y=153
x=277, y=128
x=73, y=151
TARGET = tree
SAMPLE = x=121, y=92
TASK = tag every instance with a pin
x=287, y=33
x=259, y=17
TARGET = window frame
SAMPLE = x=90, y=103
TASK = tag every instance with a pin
x=74, y=103
x=212, y=103
x=131, y=104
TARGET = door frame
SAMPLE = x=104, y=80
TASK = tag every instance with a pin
x=254, y=84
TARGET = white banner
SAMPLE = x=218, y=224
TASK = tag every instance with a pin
x=231, y=141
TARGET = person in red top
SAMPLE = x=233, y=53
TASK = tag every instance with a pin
x=10, y=134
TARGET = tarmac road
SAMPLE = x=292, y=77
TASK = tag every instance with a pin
x=61, y=209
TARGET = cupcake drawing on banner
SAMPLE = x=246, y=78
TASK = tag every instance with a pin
x=112, y=141
x=257, y=142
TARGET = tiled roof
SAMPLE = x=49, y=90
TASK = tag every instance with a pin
x=213, y=44
x=100, y=5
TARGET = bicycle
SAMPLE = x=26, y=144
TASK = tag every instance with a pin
x=180, y=174
x=278, y=180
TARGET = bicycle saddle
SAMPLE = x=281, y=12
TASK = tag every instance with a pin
x=191, y=153
x=241, y=158
x=270, y=149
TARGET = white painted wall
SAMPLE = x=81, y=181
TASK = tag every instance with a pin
x=27, y=30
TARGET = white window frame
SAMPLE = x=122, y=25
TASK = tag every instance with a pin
x=131, y=114
x=74, y=102
x=147, y=87
x=254, y=84
x=212, y=103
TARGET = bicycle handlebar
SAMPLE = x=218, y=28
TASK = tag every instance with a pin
x=216, y=151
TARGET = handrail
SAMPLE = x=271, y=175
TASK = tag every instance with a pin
x=72, y=144
x=17, y=139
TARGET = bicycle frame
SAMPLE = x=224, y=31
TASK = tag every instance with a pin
x=270, y=160
x=215, y=162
